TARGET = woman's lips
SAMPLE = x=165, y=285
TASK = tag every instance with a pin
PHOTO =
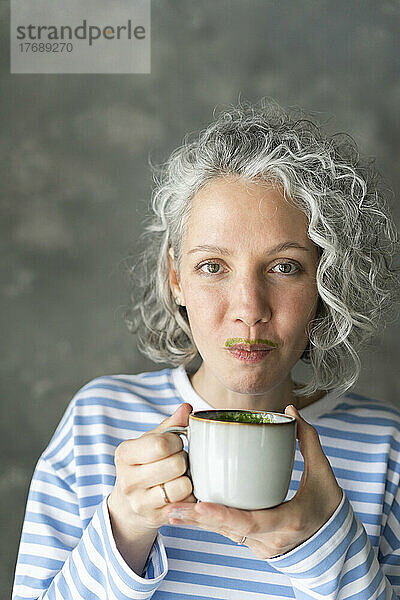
x=250, y=356
x=248, y=350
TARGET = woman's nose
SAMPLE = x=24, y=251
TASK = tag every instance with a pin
x=250, y=303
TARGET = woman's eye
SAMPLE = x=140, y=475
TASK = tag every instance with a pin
x=287, y=268
x=213, y=268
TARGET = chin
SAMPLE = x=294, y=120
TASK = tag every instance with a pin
x=249, y=383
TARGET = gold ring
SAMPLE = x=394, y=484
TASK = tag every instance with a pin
x=164, y=493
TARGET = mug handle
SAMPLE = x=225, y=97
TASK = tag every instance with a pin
x=177, y=429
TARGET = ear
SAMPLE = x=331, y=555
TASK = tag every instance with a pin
x=173, y=278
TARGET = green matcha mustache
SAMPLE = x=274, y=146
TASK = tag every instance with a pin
x=233, y=341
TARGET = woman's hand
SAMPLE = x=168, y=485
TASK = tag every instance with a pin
x=145, y=463
x=274, y=531
x=136, y=504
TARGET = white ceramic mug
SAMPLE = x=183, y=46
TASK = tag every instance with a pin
x=242, y=465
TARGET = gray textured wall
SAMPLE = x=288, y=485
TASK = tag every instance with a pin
x=76, y=184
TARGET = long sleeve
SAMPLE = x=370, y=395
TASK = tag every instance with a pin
x=59, y=558
x=338, y=562
x=67, y=549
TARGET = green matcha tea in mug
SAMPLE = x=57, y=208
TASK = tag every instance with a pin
x=243, y=416
x=240, y=458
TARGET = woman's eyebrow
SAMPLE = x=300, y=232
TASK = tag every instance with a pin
x=227, y=252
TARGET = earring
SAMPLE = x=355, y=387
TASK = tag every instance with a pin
x=177, y=300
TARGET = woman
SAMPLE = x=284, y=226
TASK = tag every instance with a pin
x=265, y=229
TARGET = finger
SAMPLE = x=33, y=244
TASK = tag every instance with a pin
x=244, y=522
x=214, y=516
x=148, y=449
x=150, y=504
x=152, y=445
x=316, y=464
x=318, y=478
x=162, y=471
x=180, y=418
x=177, y=490
x=309, y=443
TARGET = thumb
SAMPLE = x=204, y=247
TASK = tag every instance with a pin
x=180, y=417
x=309, y=444
x=318, y=477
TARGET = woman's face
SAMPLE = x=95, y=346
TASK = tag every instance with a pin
x=246, y=288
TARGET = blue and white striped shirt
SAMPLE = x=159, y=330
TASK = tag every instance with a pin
x=67, y=550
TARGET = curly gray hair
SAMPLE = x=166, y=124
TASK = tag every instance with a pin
x=343, y=197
